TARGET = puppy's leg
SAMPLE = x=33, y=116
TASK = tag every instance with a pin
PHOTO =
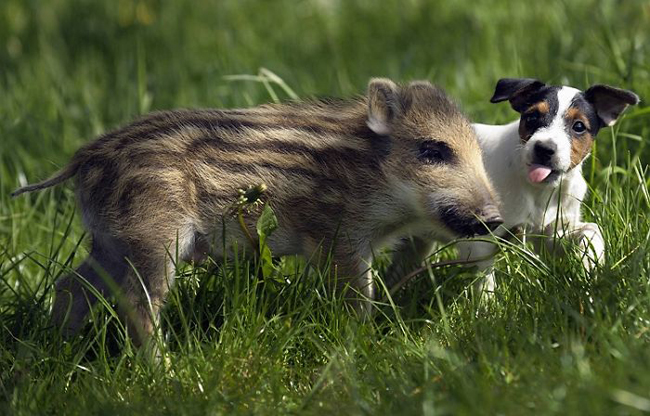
x=591, y=242
x=104, y=269
x=585, y=235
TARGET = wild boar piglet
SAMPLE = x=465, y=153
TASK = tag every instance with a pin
x=345, y=177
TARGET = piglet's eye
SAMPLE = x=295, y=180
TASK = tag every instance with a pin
x=579, y=127
x=433, y=151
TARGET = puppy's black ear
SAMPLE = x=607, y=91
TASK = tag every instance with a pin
x=610, y=102
x=516, y=90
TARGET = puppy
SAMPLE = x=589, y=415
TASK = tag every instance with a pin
x=535, y=164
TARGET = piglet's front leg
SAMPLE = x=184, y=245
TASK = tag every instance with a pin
x=352, y=278
x=480, y=254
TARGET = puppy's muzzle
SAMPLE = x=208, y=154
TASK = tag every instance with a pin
x=543, y=153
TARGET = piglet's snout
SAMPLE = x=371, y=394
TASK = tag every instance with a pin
x=489, y=219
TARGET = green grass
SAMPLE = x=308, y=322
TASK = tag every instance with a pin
x=554, y=341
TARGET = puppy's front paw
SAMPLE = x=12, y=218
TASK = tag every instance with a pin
x=591, y=243
x=484, y=287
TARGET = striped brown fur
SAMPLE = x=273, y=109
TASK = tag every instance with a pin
x=343, y=174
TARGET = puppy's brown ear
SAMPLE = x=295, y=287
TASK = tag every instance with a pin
x=517, y=91
x=383, y=105
x=610, y=102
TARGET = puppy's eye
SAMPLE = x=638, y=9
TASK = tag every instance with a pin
x=532, y=117
x=432, y=151
x=579, y=127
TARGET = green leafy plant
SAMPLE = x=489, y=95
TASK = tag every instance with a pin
x=266, y=224
x=555, y=340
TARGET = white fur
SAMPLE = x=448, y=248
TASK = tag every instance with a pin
x=378, y=125
x=555, y=133
x=549, y=209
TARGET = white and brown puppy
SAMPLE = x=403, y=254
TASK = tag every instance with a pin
x=535, y=163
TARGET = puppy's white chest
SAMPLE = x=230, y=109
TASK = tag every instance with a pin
x=522, y=207
x=544, y=211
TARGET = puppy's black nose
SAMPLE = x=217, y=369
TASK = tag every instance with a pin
x=544, y=152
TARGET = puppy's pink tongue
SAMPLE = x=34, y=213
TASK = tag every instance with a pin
x=537, y=173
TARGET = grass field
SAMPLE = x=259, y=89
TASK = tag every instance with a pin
x=556, y=340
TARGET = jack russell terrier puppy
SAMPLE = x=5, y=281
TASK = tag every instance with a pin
x=535, y=164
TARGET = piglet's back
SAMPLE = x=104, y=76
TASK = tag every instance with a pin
x=193, y=161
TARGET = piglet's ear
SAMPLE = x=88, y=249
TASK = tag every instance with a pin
x=516, y=90
x=610, y=102
x=383, y=105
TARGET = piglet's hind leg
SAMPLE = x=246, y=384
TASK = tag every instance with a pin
x=77, y=292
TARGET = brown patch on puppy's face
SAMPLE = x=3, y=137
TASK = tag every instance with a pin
x=542, y=107
x=581, y=134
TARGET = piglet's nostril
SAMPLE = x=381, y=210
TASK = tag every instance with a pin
x=490, y=220
x=494, y=222
x=544, y=151
x=491, y=217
